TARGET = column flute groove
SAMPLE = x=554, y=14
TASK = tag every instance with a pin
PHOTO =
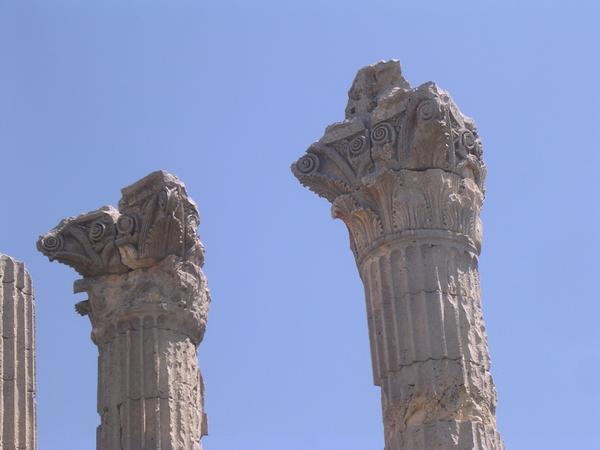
x=404, y=171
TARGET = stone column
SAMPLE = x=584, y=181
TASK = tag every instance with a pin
x=17, y=357
x=404, y=172
x=148, y=304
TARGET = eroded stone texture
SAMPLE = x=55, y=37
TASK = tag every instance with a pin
x=17, y=357
x=148, y=305
x=404, y=171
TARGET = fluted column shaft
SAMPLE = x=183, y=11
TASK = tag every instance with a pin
x=149, y=389
x=428, y=343
x=17, y=357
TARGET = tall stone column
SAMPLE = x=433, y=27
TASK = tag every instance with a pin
x=17, y=357
x=404, y=172
x=148, y=304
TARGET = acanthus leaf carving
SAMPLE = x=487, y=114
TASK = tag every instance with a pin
x=364, y=223
x=410, y=210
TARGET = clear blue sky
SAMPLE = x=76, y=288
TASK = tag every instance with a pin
x=94, y=95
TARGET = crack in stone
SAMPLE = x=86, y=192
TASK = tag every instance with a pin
x=469, y=361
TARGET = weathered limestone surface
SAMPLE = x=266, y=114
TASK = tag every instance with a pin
x=404, y=171
x=148, y=305
x=17, y=357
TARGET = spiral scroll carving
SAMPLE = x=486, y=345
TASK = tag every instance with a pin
x=309, y=163
x=52, y=243
x=382, y=133
x=97, y=231
x=357, y=145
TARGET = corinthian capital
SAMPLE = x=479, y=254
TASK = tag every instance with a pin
x=155, y=219
x=403, y=159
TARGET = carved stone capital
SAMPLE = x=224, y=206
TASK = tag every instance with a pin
x=403, y=159
x=156, y=218
x=414, y=205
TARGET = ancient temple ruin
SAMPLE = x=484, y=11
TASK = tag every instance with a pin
x=404, y=171
x=148, y=305
x=17, y=357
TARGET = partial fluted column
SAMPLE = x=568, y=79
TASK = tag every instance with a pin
x=148, y=305
x=17, y=357
x=404, y=172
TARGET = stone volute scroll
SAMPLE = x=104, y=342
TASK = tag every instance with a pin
x=404, y=171
x=141, y=266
